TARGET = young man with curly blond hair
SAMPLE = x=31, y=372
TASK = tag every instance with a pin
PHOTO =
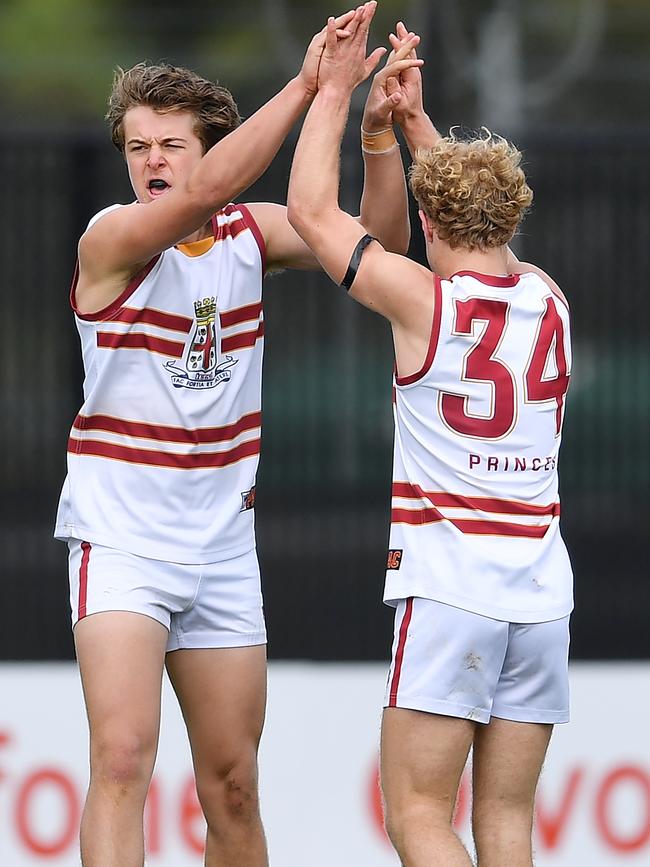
x=159, y=501
x=477, y=569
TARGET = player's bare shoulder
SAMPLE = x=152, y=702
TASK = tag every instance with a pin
x=528, y=267
x=99, y=280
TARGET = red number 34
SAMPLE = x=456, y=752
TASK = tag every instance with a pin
x=482, y=365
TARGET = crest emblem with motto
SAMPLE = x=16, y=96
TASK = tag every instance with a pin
x=201, y=367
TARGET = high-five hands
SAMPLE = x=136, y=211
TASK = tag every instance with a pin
x=392, y=88
x=410, y=78
x=337, y=56
x=309, y=72
x=343, y=62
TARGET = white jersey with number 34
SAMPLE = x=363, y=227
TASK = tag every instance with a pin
x=475, y=510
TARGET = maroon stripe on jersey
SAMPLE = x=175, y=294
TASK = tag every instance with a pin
x=490, y=279
x=112, y=340
x=230, y=230
x=482, y=504
x=149, y=316
x=257, y=233
x=399, y=653
x=110, y=310
x=499, y=528
x=433, y=337
x=83, y=580
x=490, y=504
x=198, y=461
x=418, y=517
x=241, y=314
x=242, y=341
x=167, y=433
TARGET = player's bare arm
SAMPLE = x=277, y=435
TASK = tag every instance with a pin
x=181, y=187
x=390, y=284
x=384, y=181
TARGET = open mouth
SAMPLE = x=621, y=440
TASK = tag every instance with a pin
x=157, y=186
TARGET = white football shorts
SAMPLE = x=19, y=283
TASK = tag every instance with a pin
x=454, y=662
x=208, y=605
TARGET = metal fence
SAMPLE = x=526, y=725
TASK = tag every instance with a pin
x=324, y=484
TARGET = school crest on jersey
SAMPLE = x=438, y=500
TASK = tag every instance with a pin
x=202, y=368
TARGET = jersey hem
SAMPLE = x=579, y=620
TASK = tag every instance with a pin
x=65, y=532
x=215, y=641
x=530, y=715
x=439, y=706
x=508, y=615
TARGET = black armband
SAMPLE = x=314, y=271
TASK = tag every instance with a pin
x=355, y=261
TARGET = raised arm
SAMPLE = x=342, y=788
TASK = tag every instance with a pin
x=384, y=179
x=118, y=245
x=384, y=280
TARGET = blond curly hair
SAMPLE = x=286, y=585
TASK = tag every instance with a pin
x=474, y=191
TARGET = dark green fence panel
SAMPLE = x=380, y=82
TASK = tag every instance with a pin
x=324, y=483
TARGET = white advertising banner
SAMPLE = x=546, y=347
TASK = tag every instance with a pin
x=319, y=771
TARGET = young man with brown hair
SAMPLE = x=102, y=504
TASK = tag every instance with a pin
x=477, y=568
x=157, y=508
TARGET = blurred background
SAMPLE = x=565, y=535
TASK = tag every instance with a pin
x=568, y=80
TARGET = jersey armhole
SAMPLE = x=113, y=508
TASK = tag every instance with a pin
x=433, y=337
x=257, y=233
x=115, y=305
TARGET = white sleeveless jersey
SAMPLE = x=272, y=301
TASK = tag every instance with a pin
x=163, y=455
x=475, y=510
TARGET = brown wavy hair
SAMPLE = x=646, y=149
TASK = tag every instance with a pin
x=172, y=88
x=474, y=191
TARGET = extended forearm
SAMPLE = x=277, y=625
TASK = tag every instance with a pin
x=238, y=160
x=384, y=201
x=314, y=182
x=419, y=132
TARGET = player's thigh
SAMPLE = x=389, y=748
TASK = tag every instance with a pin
x=422, y=757
x=121, y=658
x=222, y=694
x=507, y=761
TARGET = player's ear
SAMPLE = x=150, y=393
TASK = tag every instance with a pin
x=427, y=226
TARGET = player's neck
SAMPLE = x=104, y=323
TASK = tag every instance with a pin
x=200, y=235
x=494, y=262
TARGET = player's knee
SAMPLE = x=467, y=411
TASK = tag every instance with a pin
x=394, y=825
x=230, y=792
x=122, y=759
x=495, y=816
x=400, y=819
